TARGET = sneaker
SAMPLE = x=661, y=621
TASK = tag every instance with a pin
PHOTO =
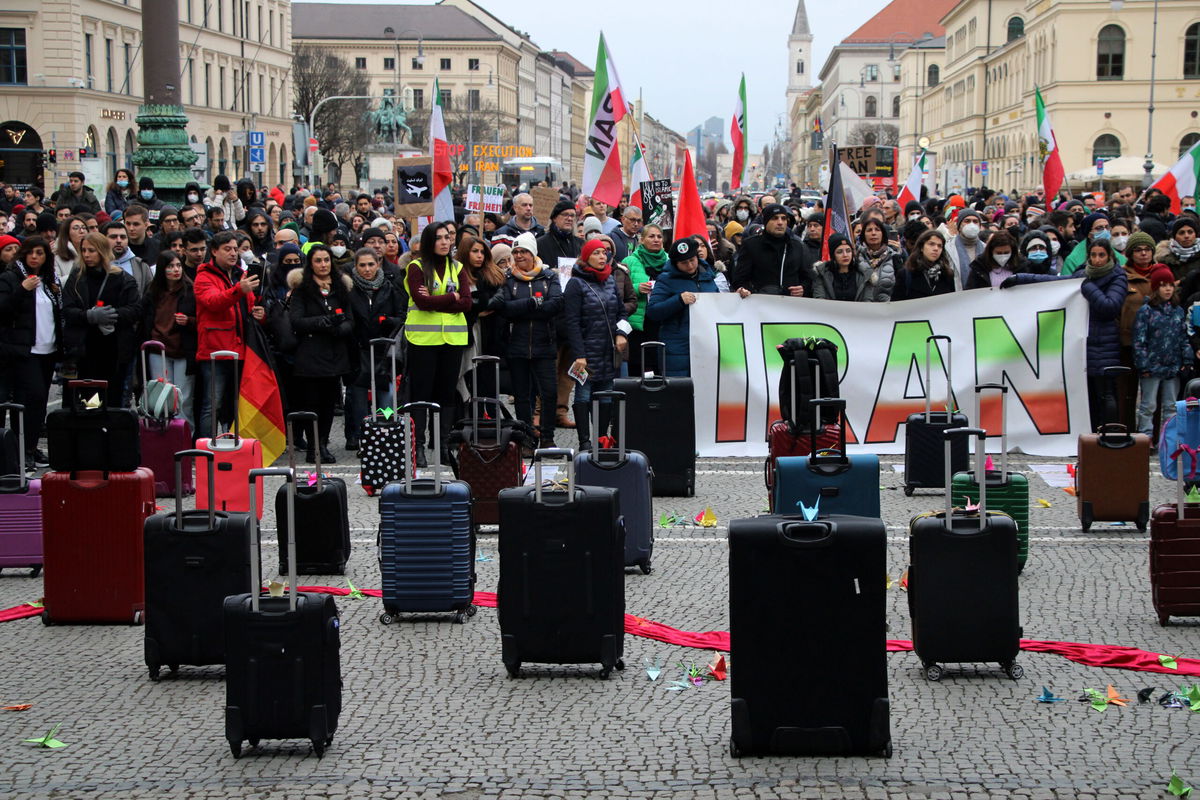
x=38, y=459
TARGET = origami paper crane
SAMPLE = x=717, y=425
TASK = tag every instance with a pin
x=1115, y=698
x=1048, y=696
x=810, y=512
x=1177, y=787
x=1071, y=470
x=653, y=667
x=1144, y=695
x=355, y=592
x=1069, y=490
x=21, y=707
x=387, y=412
x=1099, y=702
x=971, y=506
x=92, y=402
x=678, y=686
x=1172, y=700
x=1043, y=503
x=48, y=740
x=1192, y=694
x=717, y=668
x=890, y=583
x=1193, y=495
x=988, y=465
x=483, y=557
x=1168, y=662
x=276, y=588
x=707, y=519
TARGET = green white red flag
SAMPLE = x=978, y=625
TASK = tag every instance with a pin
x=1052, y=167
x=639, y=173
x=602, y=175
x=439, y=149
x=737, y=133
x=912, y=186
x=1181, y=179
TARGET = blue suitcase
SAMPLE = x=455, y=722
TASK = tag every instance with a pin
x=426, y=540
x=629, y=473
x=829, y=479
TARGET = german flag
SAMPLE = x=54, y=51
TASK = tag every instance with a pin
x=260, y=407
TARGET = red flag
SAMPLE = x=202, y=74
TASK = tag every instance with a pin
x=260, y=408
x=689, y=217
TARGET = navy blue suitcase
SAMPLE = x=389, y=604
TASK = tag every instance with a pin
x=426, y=540
x=829, y=479
x=629, y=473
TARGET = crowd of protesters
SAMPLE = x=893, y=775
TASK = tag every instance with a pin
x=565, y=302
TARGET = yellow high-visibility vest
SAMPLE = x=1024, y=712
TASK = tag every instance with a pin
x=431, y=328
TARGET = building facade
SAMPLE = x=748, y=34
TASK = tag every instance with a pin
x=71, y=81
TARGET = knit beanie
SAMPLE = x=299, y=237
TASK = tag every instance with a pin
x=1183, y=221
x=733, y=228
x=501, y=251
x=1161, y=276
x=560, y=207
x=1139, y=239
x=589, y=248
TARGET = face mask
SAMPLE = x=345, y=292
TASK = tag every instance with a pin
x=1038, y=256
x=970, y=230
x=1001, y=258
x=248, y=257
x=123, y=184
x=1101, y=236
x=146, y=194
x=914, y=217
x=193, y=197
x=1118, y=242
x=339, y=250
x=1030, y=220
x=1054, y=247
x=743, y=215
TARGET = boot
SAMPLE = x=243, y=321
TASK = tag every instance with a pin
x=563, y=420
x=582, y=426
x=327, y=455
x=422, y=461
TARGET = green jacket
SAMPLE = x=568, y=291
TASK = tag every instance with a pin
x=1078, y=257
x=641, y=263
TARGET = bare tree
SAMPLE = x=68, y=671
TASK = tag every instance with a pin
x=868, y=133
x=342, y=127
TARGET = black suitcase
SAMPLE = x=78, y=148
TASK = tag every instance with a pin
x=797, y=589
x=962, y=581
x=561, y=596
x=322, y=513
x=662, y=426
x=194, y=560
x=283, y=675
x=79, y=438
x=923, y=441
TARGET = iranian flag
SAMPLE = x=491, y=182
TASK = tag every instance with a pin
x=639, y=173
x=912, y=186
x=1052, y=168
x=1181, y=179
x=602, y=176
x=737, y=132
x=439, y=149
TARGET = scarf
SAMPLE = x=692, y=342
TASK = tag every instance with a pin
x=651, y=259
x=598, y=275
x=965, y=258
x=526, y=276
x=366, y=285
x=1095, y=273
x=1184, y=253
x=873, y=257
x=1143, y=271
x=51, y=286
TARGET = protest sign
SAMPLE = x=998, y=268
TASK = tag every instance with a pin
x=486, y=199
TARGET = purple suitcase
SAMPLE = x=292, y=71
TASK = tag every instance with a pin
x=163, y=438
x=20, y=509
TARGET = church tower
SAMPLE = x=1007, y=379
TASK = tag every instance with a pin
x=800, y=56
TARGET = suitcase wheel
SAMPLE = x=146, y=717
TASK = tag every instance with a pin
x=1164, y=620
x=46, y=619
x=734, y=750
x=1014, y=671
x=605, y=672
x=37, y=570
x=254, y=742
x=887, y=750
x=137, y=617
x=514, y=670
x=908, y=490
x=387, y=618
x=464, y=614
x=319, y=745
x=235, y=748
x=154, y=672
x=645, y=567
x=934, y=672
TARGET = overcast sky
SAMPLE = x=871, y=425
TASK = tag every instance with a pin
x=687, y=56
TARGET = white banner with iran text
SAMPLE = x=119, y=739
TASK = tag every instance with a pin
x=1030, y=338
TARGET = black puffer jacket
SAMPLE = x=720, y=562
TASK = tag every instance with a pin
x=555, y=244
x=773, y=263
x=531, y=327
x=18, y=315
x=377, y=315
x=325, y=338
x=592, y=313
x=120, y=292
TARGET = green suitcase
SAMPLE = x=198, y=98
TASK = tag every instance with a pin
x=1006, y=491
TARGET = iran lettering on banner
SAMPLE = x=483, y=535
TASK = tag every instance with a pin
x=1181, y=179
x=486, y=199
x=1031, y=338
x=602, y=176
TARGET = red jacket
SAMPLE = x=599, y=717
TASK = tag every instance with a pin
x=220, y=312
x=277, y=195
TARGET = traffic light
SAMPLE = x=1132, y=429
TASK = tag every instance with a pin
x=52, y=156
x=85, y=152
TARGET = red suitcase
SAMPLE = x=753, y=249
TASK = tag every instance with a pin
x=233, y=458
x=93, y=539
x=20, y=508
x=162, y=438
x=486, y=464
x=1175, y=556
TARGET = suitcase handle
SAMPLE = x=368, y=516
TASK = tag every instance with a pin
x=1114, y=436
x=212, y=493
x=255, y=568
x=152, y=344
x=618, y=399
x=822, y=459
x=568, y=457
x=391, y=343
x=19, y=414
x=237, y=382
x=1003, y=390
x=929, y=342
x=980, y=435
x=479, y=361
x=658, y=377
x=434, y=422
x=303, y=416
x=796, y=533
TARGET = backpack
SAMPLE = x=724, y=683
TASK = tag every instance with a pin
x=815, y=362
x=1180, y=436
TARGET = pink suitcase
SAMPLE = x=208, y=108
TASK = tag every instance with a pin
x=161, y=439
x=20, y=509
x=233, y=458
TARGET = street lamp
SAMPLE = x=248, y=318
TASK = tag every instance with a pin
x=389, y=31
x=1148, y=178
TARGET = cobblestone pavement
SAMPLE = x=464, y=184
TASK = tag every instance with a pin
x=430, y=713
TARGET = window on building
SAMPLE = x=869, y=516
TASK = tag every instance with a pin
x=208, y=85
x=896, y=106
x=221, y=86
x=895, y=73
x=13, y=66
x=220, y=17
x=418, y=98
x=872, y=107
x=473, y=64
x=389, y=64
x=261, y=93
x=189, y=10
x=272, y=96
x=445, y=98
x=445, y=63
x=108, y=70
x=1188, y=142
x=872, y=72
x=204, y=5
x=1191, y=51
x=128, y=68
x=260, y=25
x=1110, y=54
x=88, y=70
x=1106, y=146
x=932, y=75
x=417, y=64
x=191, y=73
x=1016, y=28
x=360, y=62
x=473, y=99
x=800, y=67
